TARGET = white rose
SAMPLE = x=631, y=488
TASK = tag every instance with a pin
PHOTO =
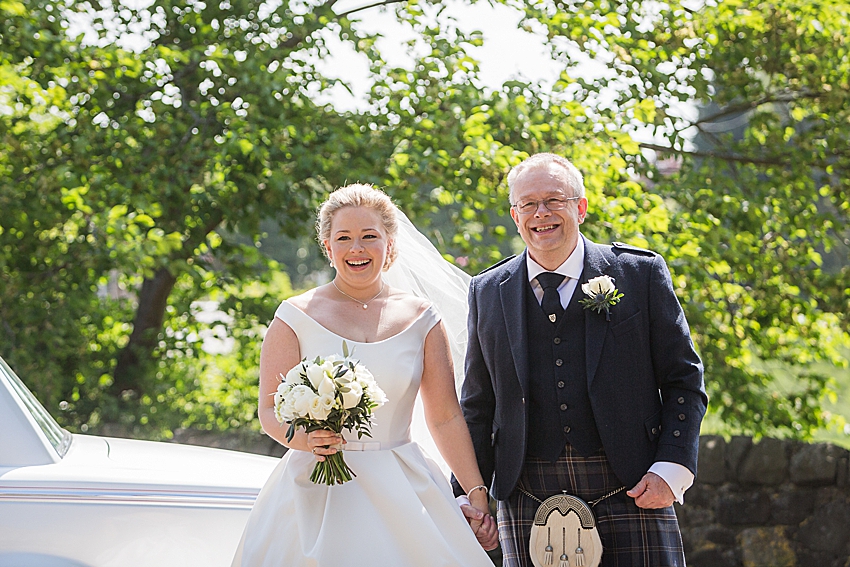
x=352, y=397
x=326, y=387
x=287, y=410
x=376, y=394
x=319, y=408
x=600, y=284
x=293, y=377
x=302, y=399
x=315, y=374
x=363, y=376
x=328, y=401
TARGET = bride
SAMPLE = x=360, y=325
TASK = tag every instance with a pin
x=399, y=510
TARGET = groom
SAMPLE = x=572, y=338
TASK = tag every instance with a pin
x=560, y=398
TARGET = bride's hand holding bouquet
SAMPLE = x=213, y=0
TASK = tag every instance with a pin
x=329, y=394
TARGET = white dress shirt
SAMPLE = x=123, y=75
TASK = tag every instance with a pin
x=677, y=476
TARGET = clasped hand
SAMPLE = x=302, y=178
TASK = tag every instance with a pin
x=483, y=526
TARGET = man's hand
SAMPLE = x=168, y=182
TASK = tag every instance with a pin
x=652, y=492
x=483, y=526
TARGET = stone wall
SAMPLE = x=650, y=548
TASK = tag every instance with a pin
x=772, y=503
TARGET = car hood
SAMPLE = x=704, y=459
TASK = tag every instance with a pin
x=133, y=464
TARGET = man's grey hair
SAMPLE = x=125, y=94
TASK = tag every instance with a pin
x=574, y=177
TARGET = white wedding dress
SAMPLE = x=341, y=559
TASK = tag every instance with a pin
x=398, y=511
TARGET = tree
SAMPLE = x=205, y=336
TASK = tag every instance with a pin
x=151, y=168
x=155, y=162
x=761, y=191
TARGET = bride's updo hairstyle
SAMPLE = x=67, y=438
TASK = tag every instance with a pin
x=359, y=195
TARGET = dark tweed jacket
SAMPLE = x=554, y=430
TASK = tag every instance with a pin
x=644, y=378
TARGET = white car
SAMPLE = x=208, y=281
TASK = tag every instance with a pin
x=84, y=501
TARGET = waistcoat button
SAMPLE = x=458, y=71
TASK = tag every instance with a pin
x=559, y=362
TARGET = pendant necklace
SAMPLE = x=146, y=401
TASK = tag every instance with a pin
x=363, y=303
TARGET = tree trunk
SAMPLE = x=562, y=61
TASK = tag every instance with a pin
x=133, y=358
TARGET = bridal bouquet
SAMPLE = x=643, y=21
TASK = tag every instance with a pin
x=332, y=393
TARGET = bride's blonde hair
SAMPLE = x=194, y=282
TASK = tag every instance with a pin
x=359, y=195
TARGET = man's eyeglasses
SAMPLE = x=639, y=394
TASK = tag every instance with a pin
x=553, y=204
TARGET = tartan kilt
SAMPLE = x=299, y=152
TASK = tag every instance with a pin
x=631, y=536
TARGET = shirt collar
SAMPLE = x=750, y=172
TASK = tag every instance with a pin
x=571, y=268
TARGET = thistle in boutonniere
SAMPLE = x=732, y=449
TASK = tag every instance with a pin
x=601, y=295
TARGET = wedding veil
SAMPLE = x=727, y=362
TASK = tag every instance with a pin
x=420, y=269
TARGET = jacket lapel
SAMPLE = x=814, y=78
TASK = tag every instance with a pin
x=595, y=324
x=512, y=294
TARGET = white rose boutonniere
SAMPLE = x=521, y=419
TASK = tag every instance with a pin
x=601, y=295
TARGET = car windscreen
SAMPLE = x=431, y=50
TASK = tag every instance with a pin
x=58, y=437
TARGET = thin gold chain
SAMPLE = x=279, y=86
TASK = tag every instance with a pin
x=363, y=303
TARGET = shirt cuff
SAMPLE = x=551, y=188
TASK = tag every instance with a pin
x=677, y=477
x=463, y=500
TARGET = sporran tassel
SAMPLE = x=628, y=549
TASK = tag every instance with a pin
x=549, y=556
x=579, y=552
x=565, y=561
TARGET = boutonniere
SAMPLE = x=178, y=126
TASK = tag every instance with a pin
x=601, y=295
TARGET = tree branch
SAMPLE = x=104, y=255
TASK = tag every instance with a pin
x=367, y=6
x=783, y=160
x=744, y=106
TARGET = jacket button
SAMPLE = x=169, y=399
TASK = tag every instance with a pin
x=561, y=384
x=676, y=433
x=563, y=407
x=654, y=430
x=559, y=362
x=681, y=400
x=681, y=417
x=566, y=429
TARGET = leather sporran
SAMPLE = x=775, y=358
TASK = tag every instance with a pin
x=564, y=532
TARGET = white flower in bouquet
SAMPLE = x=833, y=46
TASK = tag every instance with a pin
x=320, y=407
x=352, y=397
x=333, y=393
x=293, y=377
x=316, y=373
x=302, y=399
x=326, y=387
